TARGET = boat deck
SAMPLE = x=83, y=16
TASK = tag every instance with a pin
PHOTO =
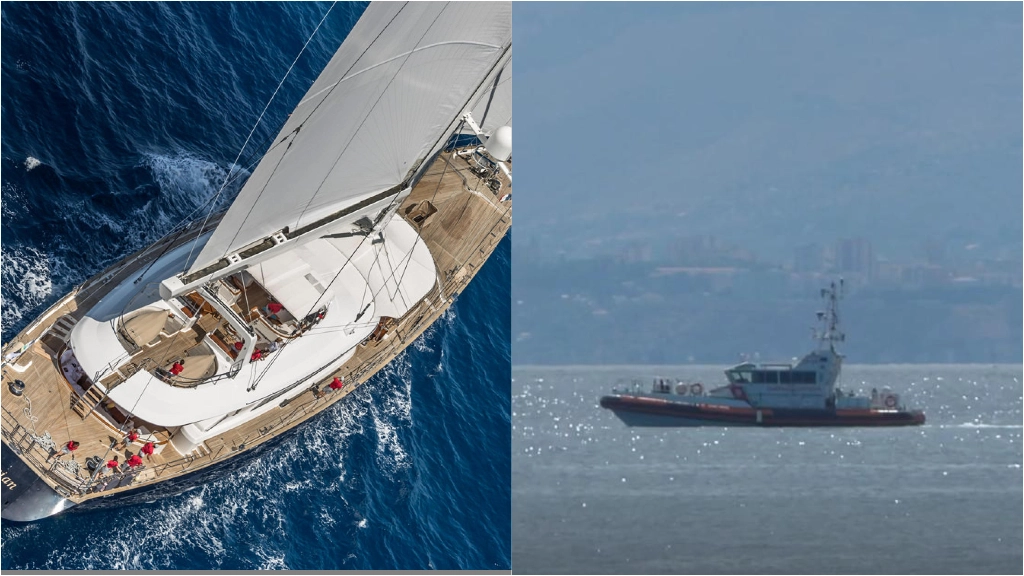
x=461, y=226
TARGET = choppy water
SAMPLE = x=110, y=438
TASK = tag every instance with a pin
x=117, y=121
x=593, y=496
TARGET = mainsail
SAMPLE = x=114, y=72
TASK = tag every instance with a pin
x=385, y=102
x=493, y=109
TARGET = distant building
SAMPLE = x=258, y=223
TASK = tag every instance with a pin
x=706, y=250
x=635, y=252
x=855, y=256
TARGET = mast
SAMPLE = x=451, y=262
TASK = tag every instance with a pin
x=829, y=318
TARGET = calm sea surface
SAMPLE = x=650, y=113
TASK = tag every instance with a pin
x=118, y=120
x=593, y=496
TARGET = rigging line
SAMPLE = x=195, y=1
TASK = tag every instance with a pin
x=311, y=113
x=347, y=261
x=131, y=413
x=232, y=176
x=376, y=262
x=398, y=287
x=407, y=264
x=327, y=331
x=445, y=170
x=408, y=258
x=337, y=329
x=254, y=378
x=258, y=120
x=307, y=377
x=259, y=378
x=395, y=197
x=162, y=252
x=362, y=299
x=369, y=112
x=265, y=184
x=422, y=168
x=490, y=99
x=398, y=283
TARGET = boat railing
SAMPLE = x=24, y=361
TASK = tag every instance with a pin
x=627, y=386
x=186, y=382
x=663, y=385
x=27, y=444
x=211, y=296
x=181, y=232
x=123, y=334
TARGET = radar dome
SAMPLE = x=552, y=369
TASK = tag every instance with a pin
x=499, y=143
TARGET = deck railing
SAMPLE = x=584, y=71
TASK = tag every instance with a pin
x=24, y=441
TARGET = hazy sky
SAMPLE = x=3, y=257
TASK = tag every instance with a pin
x=769, y=125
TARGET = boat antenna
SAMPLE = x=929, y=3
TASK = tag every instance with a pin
x=829, y=318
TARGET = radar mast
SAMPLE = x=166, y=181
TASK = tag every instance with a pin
x=829, y=318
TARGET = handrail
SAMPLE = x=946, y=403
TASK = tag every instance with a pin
x=28, y=452
x=230, y=311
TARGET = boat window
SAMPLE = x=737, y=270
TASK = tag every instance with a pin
x=803, y=377
x=786, y=377
x=740, y=377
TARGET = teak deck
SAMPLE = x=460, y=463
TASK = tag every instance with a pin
x=469, y=222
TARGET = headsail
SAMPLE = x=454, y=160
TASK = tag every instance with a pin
x=405, y=73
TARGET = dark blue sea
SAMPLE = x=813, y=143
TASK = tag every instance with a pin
x=118, y=120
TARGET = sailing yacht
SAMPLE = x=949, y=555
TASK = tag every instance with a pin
x=384, y=193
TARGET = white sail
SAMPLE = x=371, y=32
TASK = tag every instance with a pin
x=493, y=107
x=386, y=100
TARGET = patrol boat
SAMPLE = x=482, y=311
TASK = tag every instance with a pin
x=384, y=193
x=765, y=394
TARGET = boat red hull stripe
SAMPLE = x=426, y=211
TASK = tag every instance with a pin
x=717, y=414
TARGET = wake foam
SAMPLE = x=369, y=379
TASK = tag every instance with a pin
x=31, y=163
x=26, y=279
x=392, y=411
x=186, y=183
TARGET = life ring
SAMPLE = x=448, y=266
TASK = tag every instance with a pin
x=696, y=389
x=890, y=401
